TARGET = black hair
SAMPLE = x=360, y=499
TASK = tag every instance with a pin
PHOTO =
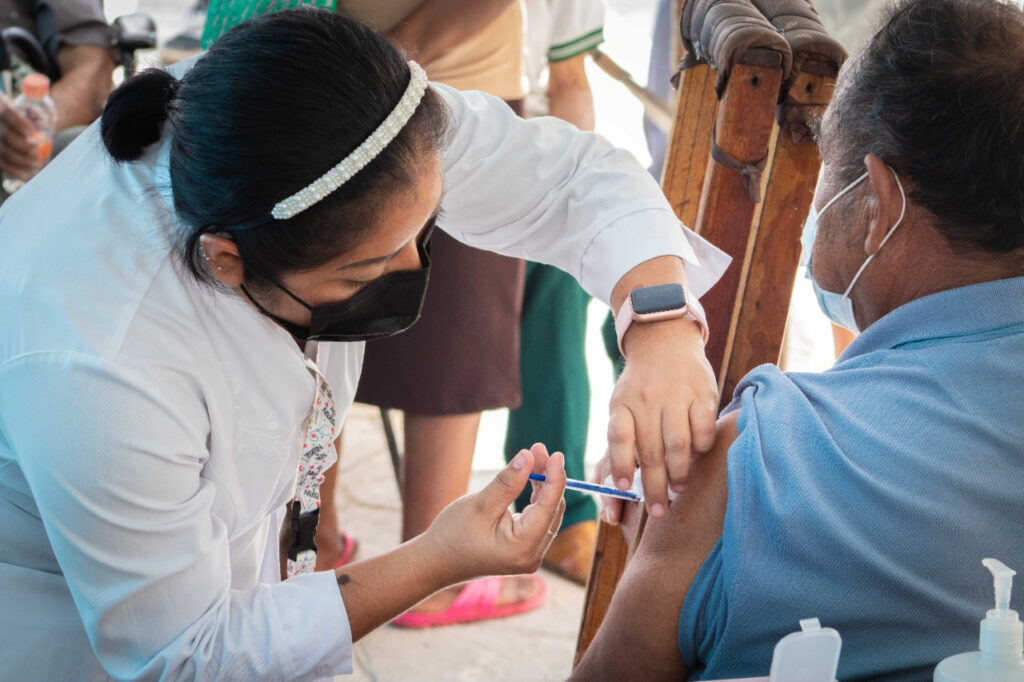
x=274, y=104
x=938, y=94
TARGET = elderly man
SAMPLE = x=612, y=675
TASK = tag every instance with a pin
x=868, y=494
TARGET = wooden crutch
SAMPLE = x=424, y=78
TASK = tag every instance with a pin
x=686, y=179
x=762, y=305
x=723, y=202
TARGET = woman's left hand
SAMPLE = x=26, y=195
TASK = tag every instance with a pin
x=663, y=409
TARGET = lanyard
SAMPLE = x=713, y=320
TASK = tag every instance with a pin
x=315, y=457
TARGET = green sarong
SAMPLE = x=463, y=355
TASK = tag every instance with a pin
x=223, y=15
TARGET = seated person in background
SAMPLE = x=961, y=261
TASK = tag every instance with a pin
x=868, y=494
x=77, y=41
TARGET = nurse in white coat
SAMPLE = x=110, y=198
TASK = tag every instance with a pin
x=182, y=334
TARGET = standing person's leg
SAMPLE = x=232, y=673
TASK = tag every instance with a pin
x=459, y=359
x=556, y=403
x=436, y=466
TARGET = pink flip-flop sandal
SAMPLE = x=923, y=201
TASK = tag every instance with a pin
x=349, y=545
x=478, y=600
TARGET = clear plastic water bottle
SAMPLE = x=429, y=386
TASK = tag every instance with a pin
x=35, y=105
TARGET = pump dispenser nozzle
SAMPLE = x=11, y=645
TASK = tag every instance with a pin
x=1002, y=576
x=1002, y=633
x=1001, y=655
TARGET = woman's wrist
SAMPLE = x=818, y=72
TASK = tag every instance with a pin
x=437, y=565
x=681, y=331
x=380, y=588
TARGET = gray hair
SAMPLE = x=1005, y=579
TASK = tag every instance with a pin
x=938, y=94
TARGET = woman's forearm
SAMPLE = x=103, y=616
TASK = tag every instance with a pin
x=569, y=95
x=85, y=83
x=379, y=589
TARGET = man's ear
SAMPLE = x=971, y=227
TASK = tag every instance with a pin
x=887, y=202
x=221, y=256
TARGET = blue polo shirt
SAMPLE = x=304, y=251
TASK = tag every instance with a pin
x=868, y=494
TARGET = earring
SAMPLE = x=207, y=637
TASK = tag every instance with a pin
x=220, y=268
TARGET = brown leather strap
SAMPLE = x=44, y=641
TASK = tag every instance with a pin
x=750, y=173
x=814, y=52
x=798, y=22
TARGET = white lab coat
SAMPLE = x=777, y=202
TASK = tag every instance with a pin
x=149, y=426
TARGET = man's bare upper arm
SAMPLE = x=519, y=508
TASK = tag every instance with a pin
x=86, y=81
x=638, y=639
x=568, y=74
x=569, y=94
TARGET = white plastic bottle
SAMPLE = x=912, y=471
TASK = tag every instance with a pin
x=34, y=104
x=1001, y=642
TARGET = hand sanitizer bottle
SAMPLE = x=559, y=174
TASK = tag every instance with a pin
x=1002, y=640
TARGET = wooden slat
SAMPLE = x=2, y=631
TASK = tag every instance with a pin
x=611, y=553
x=725, y=216
x=764, y=301
x=689, y=146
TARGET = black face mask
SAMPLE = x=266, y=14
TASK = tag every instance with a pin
x=386, y=306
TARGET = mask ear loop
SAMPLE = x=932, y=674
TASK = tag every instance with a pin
x=903, y=212
x=845, y=190
x=293, y=296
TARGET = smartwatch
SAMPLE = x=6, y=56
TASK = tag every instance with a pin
x=661, y=302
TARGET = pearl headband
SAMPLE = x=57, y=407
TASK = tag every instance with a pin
x=361, y=155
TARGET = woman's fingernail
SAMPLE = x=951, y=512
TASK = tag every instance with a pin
x=518, y=461
x=623, y=484
x=606, y=514
x=657, y=510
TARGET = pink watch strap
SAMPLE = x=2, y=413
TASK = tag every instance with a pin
x=693, y=310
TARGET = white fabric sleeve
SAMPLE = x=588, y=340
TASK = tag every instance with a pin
x=540, y=189
x=114, y=456
x=576, y=26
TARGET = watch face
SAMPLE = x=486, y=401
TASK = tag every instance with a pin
x=658, y=299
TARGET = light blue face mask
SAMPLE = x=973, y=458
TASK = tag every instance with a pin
x=839, y=307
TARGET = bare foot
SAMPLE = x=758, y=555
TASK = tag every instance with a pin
x=514, y=590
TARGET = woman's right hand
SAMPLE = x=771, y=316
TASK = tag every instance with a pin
x=477, y=535
x=474, y=536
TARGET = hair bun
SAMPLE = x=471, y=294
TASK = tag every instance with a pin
x=135, y=113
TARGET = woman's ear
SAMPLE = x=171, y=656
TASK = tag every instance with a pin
x=887, y=202
x=221, y=256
